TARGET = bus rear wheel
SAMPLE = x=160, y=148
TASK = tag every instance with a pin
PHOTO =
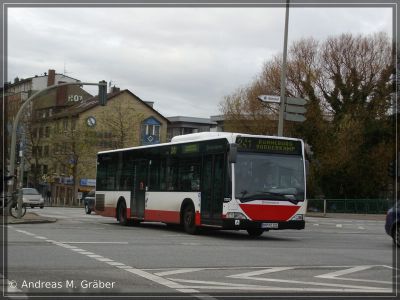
x=189, y=220
x=121, y=213
x=255, y=232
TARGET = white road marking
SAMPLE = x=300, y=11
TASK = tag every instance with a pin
x=178, y=271
x=119, y=243
x=78, y=250
x=141, y=273
x=344, y=272
x=261, y=272
x=104, y=259
x=189, y=291
x=174, y=283
x=114, y=263
x=335, y=275
x=249, y=275
x=94, y=256
x=212, y=285
x=339, y=225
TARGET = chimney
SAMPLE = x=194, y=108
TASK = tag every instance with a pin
x=115, y=89
x=150, y=103
x=51, y=79
x=61, y=95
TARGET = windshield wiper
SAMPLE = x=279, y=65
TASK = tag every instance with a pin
x=272, y=196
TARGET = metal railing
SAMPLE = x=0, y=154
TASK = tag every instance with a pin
x=349, y=206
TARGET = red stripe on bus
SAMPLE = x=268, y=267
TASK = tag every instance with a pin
x=197, y=218
x=107, y=212
x=162, y=216
x=262, y=212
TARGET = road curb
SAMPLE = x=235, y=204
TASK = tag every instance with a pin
x=372, y=217
x=29, y=218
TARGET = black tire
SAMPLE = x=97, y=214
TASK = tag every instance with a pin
x=189, y=224
x=255, y=232
x=32, y=206
x=396, y=235
x=134, y=222
x=121, y=213
x=42, y=207
x=88, y=211
x=13, y=210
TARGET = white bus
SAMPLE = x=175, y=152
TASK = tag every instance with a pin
x=211, y=179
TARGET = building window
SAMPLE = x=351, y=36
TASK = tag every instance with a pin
x=40, y=132
x=150, y=131
x=47, y=132
x=65, y=125
x=46, y=150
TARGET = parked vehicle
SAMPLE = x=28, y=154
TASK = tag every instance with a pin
x=31, y=197
x=88, y=202
x=392, y=225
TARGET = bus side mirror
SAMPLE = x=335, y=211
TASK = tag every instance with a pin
x=232, y=153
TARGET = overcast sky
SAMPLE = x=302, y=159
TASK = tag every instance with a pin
x=184, y=59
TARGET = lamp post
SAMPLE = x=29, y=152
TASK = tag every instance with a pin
x=283, y=73
x=15, y=126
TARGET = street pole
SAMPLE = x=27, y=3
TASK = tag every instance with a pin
x=20, y=179
x=14, y=135
x=283, y=74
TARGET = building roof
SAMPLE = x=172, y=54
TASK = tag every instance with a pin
x=90, y=103
x=191, y=120
x=23, y=80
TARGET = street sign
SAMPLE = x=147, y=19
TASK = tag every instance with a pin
x=294, y=117
x=270, y=98
x=296, y=109
x=295, y=101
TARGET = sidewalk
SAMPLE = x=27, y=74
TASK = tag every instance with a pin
x=29, y=218
x=373, y=217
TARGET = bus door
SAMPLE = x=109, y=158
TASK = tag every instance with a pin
x=212, y=189
x=139, y=188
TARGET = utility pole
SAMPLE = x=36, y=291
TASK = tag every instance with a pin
x=283, y=73
x=15, y=126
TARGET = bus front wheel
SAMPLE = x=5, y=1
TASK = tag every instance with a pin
x=189, y=220
x=122, y=213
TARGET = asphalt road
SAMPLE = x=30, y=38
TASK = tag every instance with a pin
x=91, y=255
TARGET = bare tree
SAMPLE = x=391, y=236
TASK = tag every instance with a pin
x=123, y=122
x=346, y=81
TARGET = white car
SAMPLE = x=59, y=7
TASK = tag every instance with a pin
x=32, y=198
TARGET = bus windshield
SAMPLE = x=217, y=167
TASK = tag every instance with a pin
x=262, y=176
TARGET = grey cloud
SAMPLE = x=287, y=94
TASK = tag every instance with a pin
x=185, y=59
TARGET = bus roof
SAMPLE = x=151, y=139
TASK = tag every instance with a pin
x=202, y=136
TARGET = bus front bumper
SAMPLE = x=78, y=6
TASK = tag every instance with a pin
x=267, y=225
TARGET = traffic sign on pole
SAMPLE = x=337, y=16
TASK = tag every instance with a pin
x=296, y=109
x=295, y=101
x=270, y=98
x=294, y=117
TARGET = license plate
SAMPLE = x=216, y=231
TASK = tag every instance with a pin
x=269, y=225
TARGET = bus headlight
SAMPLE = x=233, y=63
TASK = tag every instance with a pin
x=297, y=218
x=235, y=215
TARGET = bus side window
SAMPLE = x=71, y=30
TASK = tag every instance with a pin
x=189, y=176
x=172, y=175
x=157, y=175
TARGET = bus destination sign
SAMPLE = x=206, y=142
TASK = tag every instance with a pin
x=269, y=145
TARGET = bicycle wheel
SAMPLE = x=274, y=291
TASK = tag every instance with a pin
x=14, y=210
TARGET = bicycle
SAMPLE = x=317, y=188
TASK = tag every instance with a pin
x=13, y=209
